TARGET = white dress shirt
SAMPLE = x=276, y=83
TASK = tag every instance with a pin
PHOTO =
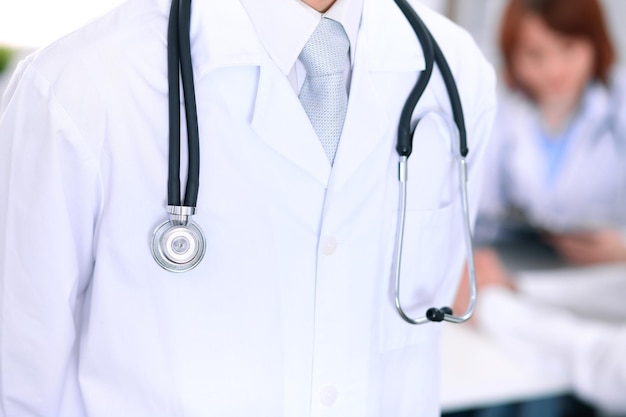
x=301, y=20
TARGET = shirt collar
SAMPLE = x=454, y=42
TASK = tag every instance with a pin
x=298, y=20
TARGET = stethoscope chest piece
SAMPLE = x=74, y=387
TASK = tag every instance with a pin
x=178, y=246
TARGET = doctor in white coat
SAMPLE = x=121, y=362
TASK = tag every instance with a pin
x=291, y=311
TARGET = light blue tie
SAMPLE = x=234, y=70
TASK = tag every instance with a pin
x=323, y=94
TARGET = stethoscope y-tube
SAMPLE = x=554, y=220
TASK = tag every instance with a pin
x=404, y=147
x=178, y=245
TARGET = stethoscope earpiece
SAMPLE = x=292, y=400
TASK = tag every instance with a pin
x=438, y=314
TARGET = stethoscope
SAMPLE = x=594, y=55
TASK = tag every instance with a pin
x=178, y=244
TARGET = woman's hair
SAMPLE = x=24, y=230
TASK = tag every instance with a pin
x=576, y=18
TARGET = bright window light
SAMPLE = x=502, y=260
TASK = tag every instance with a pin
x=35, y=23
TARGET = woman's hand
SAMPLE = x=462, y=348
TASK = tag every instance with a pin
x=589, y=248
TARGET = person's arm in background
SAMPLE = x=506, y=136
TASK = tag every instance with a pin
x=593, y=353
x=590, y=248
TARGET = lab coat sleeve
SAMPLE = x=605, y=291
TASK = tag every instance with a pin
x=595, y=291
x=618, y=102
x=50, y=192
x=493, y=203
x=480, y=138
x=592, y=353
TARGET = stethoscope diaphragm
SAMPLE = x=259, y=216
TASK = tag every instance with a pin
x=178, y=247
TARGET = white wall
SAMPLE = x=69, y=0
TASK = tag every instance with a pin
x=34, y=23
x=439, y=5
x=615, y=12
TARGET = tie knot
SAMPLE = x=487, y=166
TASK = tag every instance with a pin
x=326, y=51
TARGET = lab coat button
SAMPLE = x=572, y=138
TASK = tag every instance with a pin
x=329, y=245
x=328, y=395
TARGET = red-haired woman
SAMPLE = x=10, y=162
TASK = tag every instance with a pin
x=559, y=145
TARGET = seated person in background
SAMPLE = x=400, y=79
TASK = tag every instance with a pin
x=557, y=155
x=557, y=161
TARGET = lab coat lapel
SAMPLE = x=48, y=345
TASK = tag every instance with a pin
x=281, y=122
x=367, y=121
x=365, y=126
x=279, y=119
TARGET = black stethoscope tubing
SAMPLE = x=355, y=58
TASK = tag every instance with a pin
x=432, y=55
x=180, y=70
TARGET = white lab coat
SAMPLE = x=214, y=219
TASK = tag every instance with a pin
x=290, y=313
x=589, y=191
x=552, y=323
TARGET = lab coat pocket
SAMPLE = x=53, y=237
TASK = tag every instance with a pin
x=424, y=266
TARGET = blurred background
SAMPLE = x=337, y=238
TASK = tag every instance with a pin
x=573, y=361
